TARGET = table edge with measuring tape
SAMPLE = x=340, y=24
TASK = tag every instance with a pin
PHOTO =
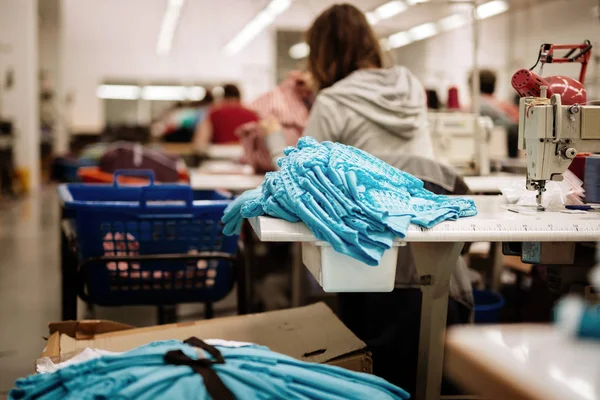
x=495, y=222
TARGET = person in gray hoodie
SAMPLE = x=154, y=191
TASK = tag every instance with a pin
x=379, y=110
x=359, y=102
x=382, y=111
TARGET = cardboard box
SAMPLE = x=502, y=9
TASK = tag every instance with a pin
x=312, y=333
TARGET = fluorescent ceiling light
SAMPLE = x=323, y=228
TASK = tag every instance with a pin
x=371, y=18
x=385, y=11
x=168, y=27
x=491, y=8
x=118, y=92
x=278, y=6
x=164, y=93
x=262, y=20
x=196, y=93
x=423, y=31
x=398, y=39
x=299, y=50
x=453, y=21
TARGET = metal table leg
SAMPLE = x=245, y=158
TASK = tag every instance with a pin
x=435, y=262
x=248, y=278
x=68, y=260
x=297, y=281
x=497, y=260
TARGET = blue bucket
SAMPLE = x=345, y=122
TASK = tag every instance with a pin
x=487, y=306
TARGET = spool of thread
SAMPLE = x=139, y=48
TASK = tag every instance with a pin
x=577, y=319
x=453, y=103
x=591, y=179
x=577, y=167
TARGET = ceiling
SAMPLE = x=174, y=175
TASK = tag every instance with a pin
x=302, y=12
x=214, y=20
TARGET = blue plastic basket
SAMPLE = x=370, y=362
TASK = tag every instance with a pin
x=133, y=221
x=487, y=306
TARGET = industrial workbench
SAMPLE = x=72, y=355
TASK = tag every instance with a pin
x=523, y=362
x=436, y=251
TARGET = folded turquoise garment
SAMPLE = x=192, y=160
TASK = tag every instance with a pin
x=170, y=370
x=347, y=197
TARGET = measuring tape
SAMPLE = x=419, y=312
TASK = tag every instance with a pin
x=499, y=228
x=508, y=230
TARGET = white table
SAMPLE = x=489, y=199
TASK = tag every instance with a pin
x=214, y=152
x=493, y=183
x=225, y=152
x=436, y=251
x=523, y=362
x=205, y=180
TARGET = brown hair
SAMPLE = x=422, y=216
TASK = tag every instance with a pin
x=231, y=91
x=341, y=41
x=487, y=81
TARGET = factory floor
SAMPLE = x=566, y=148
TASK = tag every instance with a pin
x=30, y=285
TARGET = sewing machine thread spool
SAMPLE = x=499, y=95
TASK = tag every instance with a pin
x=453, y=103
x=577, y=166
x=591, y=181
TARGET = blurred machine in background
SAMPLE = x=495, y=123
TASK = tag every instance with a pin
x=466, y=141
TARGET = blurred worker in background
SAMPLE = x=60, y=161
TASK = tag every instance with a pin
x=503, y=113
x=360, y=103
x=382, y=111
x=223, y=119
x=179, y=123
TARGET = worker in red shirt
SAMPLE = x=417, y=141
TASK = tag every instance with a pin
x=223, y=119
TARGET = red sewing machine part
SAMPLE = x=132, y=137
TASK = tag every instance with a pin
x=528, y=83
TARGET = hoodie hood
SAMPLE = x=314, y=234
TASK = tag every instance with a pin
x=391, y=98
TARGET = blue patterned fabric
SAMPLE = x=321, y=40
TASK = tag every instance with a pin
x=347, y=197
x=249, y=372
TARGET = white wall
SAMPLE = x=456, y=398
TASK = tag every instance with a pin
x=116, y=40
x=508, y=42
x=18, y=35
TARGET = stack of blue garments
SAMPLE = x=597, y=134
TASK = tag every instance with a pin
x=195, y=370
x=347, y=197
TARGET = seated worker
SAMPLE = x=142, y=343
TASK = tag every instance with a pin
x=360, y=102
x=179, y=123
x=382, y=111
x=223, y=119
x=502, y=113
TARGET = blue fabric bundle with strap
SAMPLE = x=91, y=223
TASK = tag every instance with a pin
x=347, y=197
x=197, y=370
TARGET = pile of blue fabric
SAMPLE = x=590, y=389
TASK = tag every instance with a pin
x=197, y=370
x=347, y=197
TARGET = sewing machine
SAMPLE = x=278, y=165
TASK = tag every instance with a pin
x=554, y=125
x=461, y=140
x=552, y=134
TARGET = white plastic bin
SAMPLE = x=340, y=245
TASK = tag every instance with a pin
x=337, y=272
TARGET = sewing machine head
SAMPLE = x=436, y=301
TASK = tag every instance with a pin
x=554, y=125
x=552, y=134
x=463, y=139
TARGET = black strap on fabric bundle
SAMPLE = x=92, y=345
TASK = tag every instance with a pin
x=214, y=385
